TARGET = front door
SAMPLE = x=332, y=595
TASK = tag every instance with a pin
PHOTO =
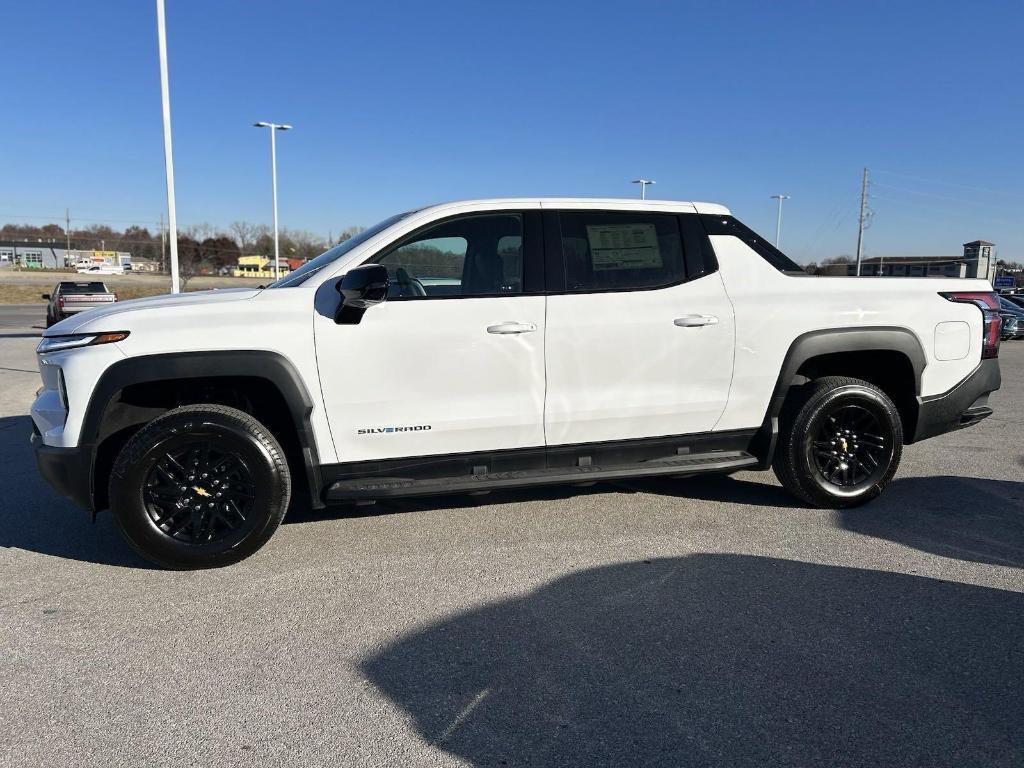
x=453, y=361
x=640, y=342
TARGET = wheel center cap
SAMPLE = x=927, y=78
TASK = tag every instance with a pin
x=201, y=491
x=842, y=444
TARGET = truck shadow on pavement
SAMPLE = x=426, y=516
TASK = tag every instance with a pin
x=965, y=518
x=958, y=517
x=720, y=660
x=34, y=518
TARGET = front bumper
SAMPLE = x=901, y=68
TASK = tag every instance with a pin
x=67, y=470
x=963, y=406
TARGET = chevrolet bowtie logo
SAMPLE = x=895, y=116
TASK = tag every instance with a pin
x=200, y=491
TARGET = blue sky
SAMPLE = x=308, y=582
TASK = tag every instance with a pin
x=396, y=105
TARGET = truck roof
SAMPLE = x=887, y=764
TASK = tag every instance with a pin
x=613, y=203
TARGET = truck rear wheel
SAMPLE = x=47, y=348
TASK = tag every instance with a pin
x=201, y=486
x=840, y=443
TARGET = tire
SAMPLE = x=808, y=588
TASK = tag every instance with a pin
x=840, y=443
x=49, y=320
x=201, y=486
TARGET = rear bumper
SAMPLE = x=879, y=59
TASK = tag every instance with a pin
x=963, y=406
x=67, y=470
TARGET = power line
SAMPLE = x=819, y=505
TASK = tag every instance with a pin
x=950, y=183
x=961, y=200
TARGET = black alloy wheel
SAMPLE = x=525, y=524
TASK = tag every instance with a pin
x=840, y=442
x=200, y=492
x=851, y=447
x=199, y=487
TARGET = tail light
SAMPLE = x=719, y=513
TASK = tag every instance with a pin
x=988, y=303
x=60, y=302
x=115, y=295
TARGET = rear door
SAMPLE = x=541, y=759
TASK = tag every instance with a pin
x=640, y=331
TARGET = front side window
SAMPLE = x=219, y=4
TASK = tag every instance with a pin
x=620, y=250
x=325, y=259
x=480, y=255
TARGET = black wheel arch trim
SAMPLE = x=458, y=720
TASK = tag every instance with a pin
x=827, y=342
x=257, y=364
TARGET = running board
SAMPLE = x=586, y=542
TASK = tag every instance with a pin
x=690, y=464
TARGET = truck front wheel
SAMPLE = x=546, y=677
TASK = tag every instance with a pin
x=840, y=443
x=201, y=486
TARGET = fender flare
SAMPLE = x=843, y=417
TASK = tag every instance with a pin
x=257, y=364
x=831, y=341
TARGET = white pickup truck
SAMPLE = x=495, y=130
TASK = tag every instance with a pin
x=490, y=344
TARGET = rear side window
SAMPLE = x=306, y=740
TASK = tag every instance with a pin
x=605, y=251
x=727, y=225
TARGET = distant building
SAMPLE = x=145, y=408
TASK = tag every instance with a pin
x=259, y=266
x=981, y=255
x=979, y=260
x=32, y=254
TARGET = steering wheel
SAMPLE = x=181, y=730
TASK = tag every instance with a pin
x=407, y=285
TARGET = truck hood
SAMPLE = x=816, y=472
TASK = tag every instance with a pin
x=105, y=315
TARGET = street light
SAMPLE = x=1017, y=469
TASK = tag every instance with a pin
x=643, y=186
x=274, y=128
x=165, y=98
x=778, y=221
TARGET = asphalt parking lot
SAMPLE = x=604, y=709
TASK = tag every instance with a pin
x=701, y=622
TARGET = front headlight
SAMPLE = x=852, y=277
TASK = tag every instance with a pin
x=75, y=340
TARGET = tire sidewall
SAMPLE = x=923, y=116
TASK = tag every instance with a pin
x=134, y=465
x=802, y=475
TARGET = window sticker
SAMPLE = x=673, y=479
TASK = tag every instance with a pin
x=624, y=246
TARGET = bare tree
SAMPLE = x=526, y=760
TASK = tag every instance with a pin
x=349, y=232
x=200, y=231
x=245, y=233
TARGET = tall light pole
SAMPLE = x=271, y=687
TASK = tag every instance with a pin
x=161, y=31
x=274, y=128
x=643, y=186
x=778, y=220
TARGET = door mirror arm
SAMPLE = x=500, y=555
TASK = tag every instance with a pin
x=360, y=289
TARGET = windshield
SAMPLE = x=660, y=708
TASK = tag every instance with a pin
x=311, y=267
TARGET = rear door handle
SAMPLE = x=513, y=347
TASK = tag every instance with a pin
x=695, y=321
x=506, y=328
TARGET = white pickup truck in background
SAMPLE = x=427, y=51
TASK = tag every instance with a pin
x=490, y=344
x=71, y=297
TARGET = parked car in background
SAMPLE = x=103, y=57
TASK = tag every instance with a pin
x=1013, y=327
x=1008, y=308
x=102, y=269
x=1016, y=298
x=70, y=298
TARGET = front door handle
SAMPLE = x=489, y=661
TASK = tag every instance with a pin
x=503, y=329
x=695, y=321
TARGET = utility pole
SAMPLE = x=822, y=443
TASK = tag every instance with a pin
x=863, y=218
x=67, y=235
x=778, y=221
x=165, y=97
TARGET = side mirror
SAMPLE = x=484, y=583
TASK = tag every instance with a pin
x=360, y=289
x=46, y=296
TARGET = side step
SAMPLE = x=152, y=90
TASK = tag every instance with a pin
x=386, y=487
